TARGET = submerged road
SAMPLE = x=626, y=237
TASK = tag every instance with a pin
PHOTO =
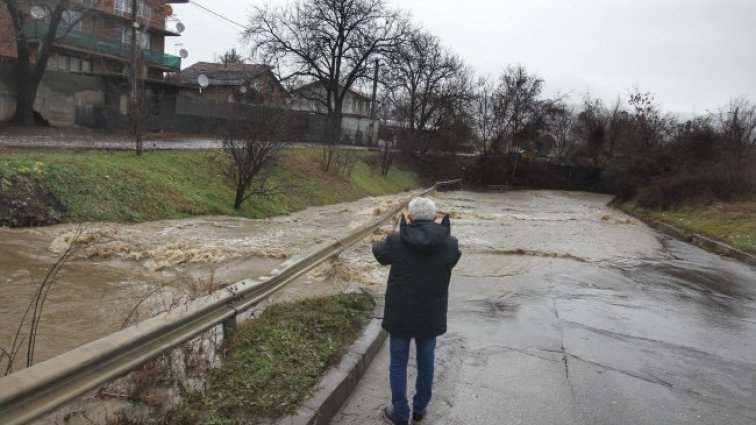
x=564, y=311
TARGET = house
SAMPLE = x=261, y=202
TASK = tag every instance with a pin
x=90, y=55
x=236, y=83
x=356, y=125
x=98, y=40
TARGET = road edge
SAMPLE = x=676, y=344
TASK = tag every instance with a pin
x=339, y=382
x=692, y=238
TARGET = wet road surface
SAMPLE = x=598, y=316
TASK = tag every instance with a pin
x=564, y=311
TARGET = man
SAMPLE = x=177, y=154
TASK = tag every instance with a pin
x=422, y=255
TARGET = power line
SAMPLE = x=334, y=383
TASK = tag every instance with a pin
x=218, y=15
x=215, y=36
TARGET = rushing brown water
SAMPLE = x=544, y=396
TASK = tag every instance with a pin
x=135, y=271
x=163, y=262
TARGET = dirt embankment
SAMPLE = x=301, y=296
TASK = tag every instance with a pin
x=29, y=202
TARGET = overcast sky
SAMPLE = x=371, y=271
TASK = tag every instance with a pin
x=694, y=55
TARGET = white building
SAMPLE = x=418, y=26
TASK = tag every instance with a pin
x=356, y=126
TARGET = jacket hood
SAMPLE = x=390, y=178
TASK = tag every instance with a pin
x=425, y=236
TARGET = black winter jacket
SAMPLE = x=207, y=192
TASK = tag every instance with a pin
x=422, y=255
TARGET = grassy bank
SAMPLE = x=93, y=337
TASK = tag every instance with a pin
x=275, y=361
x=732, y=223
x=121, y=187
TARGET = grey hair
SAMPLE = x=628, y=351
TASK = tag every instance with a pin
x=422, y=209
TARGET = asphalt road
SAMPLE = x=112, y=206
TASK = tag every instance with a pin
x=564, y=311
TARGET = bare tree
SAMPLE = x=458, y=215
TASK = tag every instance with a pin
x=483, y=112
x=737, y=124
x=428, y=86
x=650, y=126
x=518, y=111
x=253, y=142
x=60, y=17
x=591, y=127
x=328, y=43
x=562, y=124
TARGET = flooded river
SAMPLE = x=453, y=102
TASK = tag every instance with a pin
x=164, y=262
x=558, y=301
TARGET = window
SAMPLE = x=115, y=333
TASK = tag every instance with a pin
x=74, y=64
x=143, y=39
x=57, y=63
x=68, y=64
x=123, y=6
x=143, y=9
x=70, y=21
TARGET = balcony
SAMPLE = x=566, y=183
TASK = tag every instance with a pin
x=103, y=46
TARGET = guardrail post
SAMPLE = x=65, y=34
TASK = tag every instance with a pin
x=229, y=328
x=228, y=325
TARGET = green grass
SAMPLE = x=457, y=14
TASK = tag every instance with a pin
x=732, y=223
x=276, y=360
x=121, y=187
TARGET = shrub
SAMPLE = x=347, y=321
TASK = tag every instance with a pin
x=702, y=185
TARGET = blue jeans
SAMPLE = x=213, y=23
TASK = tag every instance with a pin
x=399, y=347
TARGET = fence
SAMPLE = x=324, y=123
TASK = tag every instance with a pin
x=183, y=113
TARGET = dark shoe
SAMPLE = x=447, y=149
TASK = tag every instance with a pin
x=388, y=415
x=417, y=417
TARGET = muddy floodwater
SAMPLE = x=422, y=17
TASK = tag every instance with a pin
x=133, y=271
x=575, y=312
x=564, y=311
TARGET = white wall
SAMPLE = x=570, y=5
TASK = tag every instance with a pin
x=351, y=125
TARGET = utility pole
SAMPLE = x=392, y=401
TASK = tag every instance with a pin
x=134, y=100
x=373, y=127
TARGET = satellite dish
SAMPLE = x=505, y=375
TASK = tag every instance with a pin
x=37, y=12
x=180, y=27
x=183, y=53
x=203, y=81
x=243, y=89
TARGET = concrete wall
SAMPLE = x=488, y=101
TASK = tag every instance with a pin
x=358, y=131
x=58, y=95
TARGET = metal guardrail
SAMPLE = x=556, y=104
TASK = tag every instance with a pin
x=35, y=391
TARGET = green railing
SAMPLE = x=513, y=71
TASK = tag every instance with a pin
x=104, y=46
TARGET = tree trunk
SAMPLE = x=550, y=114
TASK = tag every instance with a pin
x=26, y=92
x=29, y=76
x=239, y=198
x=26, y=87
x=387, y=159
